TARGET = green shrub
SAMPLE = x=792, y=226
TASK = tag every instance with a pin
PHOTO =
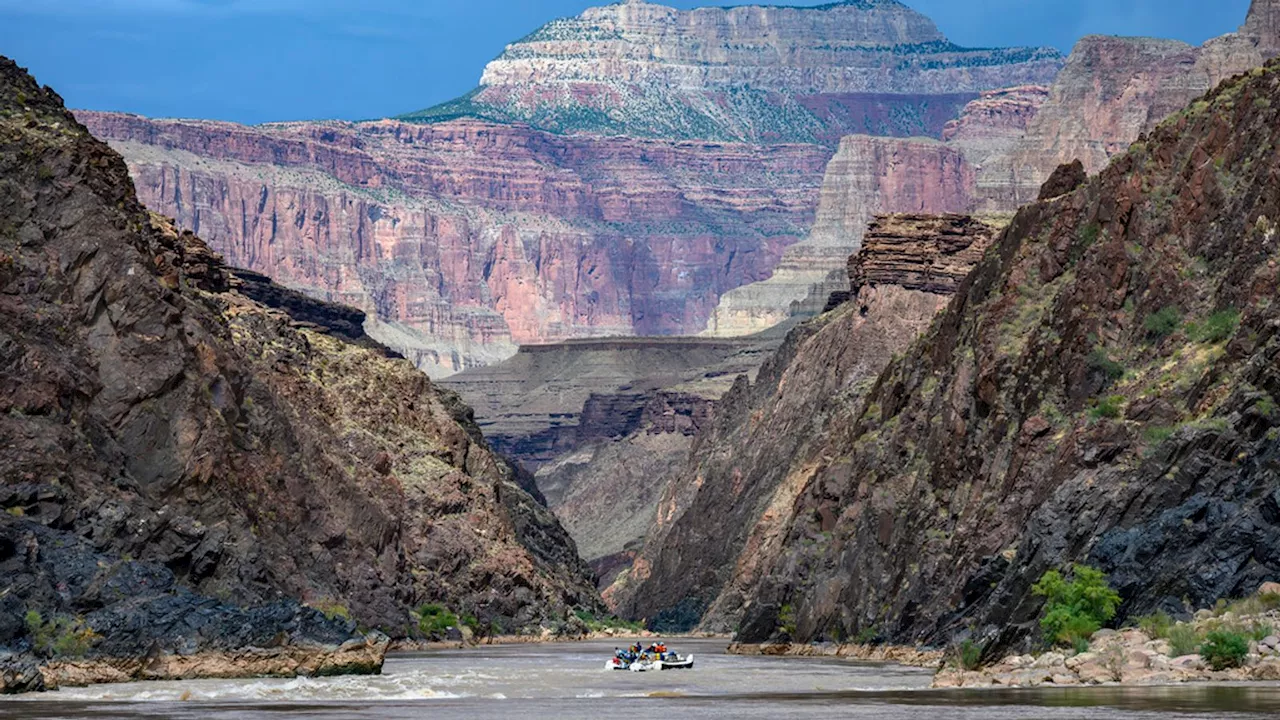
x=1224, y=649
x=1156, y=434
x=969, y=655
x=1101, y=362
x=1074, y=610
x=1164, y=323
x=60, y=637
x=1156, y=625
x=1108, y=407
x=787, y=619
x=1219, y=327
x=1183, y=640
x=435, y=620
x=607, y=622
x=332, y=609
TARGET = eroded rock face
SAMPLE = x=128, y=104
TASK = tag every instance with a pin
x=157, y=415
x=987, y=132
x=726, y=513
x=867, y=176
x=1102, y=389
x=1112, y=90
x=757, y=74
x=463, y=238
x=604, y=425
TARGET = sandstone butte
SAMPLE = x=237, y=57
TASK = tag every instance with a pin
x=614, y=174
x=1102, y=389
x=207, y=474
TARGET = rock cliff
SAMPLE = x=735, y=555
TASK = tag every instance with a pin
x=867, y=176
x=175, y=434
x=1102, y=389
x=725, y=513
x=604, y=424
x=1114, y=89
x=462, y=239
x=754, y=73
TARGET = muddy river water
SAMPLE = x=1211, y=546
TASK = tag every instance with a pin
x=568, y=681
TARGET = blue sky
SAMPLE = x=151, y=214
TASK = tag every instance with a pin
x=261, y=60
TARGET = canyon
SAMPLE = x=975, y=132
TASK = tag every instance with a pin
x=614, y=174
x=721, y=513
x=206, y=473
x=1101, y=389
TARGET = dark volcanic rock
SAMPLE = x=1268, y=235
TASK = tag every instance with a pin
x=1048, y=417
x=723, y=515
x=159, y=422
x=1066, y=178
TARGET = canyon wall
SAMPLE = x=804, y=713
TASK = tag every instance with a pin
x=604, y=424
x=1112, y=90
x=463, y=239
x=759, y=74
x=183, y=441
x=722, y=514
x=867, y=176
x=1101, y=389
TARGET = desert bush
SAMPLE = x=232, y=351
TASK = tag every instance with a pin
x=1224, y=649
x=435, y=620
x=1183, y=639
x=1156, y=625
x=1074, y=610
x=1108, y=407
x=1218, y=327
x=1162, y=324
x=59, y=637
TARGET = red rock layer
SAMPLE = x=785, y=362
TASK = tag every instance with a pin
x=465, y=236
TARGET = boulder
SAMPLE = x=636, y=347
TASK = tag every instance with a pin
x=1188, y=662
x=1066, y=178
x=20, y=673
x=1050, y=660
x=1267, y=670
x=1084, y=658
x=1269, y=588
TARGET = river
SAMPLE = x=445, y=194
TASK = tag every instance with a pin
x=568, y=681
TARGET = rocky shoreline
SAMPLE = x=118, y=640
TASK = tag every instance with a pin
x=1125, y=657
x=20, y=673
x=897, y=654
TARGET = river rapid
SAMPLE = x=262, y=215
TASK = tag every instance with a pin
x=568, y=681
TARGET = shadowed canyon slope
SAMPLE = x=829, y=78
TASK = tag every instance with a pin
x=602, y=423
x=615, y=174
x=172, y=428
x=767, y=437
x=758, y=74
x=1103, y=388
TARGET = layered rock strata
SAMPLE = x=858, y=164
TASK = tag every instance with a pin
x=604, y=424
x=1113, y=90
x=166, y=431
x=1102, y=389
x=867, y=176
x=461, y=239
x=727, y=510
x=754, y=74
